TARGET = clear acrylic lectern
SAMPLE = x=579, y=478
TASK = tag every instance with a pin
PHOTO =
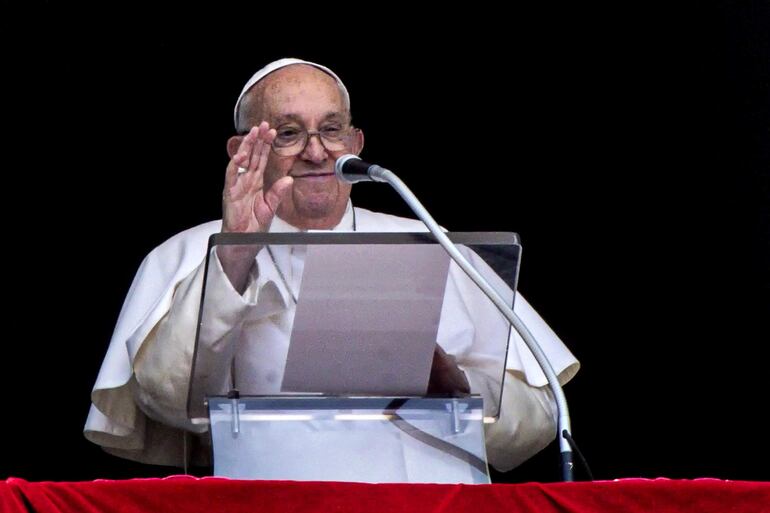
x=328, y=362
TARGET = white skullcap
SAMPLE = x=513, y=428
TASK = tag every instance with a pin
x=281, y=63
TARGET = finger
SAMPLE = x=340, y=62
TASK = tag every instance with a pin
x=231, y=175
x=257, y=146
x=238, y=163
x=236, y=169
x=255, y=163
x=266, y=209
x=263, y=151
x=246, y=147
x=243, y=161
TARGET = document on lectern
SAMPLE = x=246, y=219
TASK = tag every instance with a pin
x=367, y=319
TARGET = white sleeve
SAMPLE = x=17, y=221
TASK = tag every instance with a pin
x=162, y=367
x=527, y=424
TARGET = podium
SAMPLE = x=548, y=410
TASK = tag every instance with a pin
x=323, y=369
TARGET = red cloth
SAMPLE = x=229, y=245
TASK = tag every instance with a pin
x=187, y=494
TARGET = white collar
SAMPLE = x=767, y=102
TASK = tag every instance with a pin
x=346, y=224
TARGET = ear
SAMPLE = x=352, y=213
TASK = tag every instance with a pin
x=358, y=141
x=233, y=144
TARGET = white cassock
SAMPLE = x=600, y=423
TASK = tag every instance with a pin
x=140, y=396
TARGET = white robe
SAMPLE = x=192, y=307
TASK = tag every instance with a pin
x=143, y=419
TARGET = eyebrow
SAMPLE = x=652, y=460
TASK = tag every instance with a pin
x=284, y=118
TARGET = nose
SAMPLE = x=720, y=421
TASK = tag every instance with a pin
x=314, y=149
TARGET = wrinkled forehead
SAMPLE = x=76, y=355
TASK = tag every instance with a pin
x=283, y=72
x=297, y=94
x=301, y=84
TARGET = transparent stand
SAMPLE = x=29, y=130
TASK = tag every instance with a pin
x=345, y=396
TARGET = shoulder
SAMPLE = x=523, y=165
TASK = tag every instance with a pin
x=188, y=244
x=368, y=221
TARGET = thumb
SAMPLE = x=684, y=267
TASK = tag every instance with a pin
x=278, y=192
x=265, y=210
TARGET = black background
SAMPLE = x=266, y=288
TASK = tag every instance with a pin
x=629, y=146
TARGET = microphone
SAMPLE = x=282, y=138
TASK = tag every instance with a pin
x=351, y=169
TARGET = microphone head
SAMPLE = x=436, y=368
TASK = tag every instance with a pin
x=351, y=169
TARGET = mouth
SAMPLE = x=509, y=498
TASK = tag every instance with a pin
x=317, y=176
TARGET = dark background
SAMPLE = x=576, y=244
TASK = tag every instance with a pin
x=628, y=146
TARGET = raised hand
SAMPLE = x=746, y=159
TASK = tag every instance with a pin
x=246, y=205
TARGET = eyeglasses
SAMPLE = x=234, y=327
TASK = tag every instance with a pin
x=292, y=140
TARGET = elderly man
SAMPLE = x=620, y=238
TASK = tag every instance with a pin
x=293, y=121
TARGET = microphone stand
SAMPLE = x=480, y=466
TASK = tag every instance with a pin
x=379, y=174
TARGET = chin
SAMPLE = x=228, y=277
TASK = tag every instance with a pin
x=314, y=206
x=316, y=203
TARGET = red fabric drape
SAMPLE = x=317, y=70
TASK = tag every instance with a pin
x=189, y=495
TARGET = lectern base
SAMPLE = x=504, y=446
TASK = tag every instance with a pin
x=359, y=439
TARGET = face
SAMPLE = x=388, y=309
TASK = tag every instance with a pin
x=305, y=98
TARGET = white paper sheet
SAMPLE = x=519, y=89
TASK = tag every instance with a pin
x=367, y=319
